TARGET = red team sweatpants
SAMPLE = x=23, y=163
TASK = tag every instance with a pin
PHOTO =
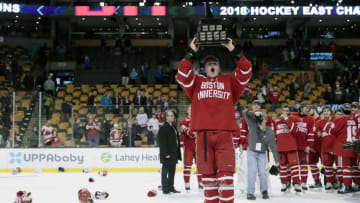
x=313, y=159
x=289, y=160
x=303, y=160
x=328, y=159
x=347, y=170
x=189, y=155
x=216, y=162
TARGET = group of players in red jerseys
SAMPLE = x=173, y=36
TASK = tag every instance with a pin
x=304, y=138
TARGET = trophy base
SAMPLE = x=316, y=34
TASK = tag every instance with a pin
x=212, y=43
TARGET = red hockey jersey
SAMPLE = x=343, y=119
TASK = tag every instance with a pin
x=325, y=129
x=116, y=136
x=305, y=127
x=317, y=143
x=47, y=132
x=186, y=133
x=345, y=130
x=213, y=99
x=284, y=131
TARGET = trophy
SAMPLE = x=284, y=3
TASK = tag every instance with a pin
x=211, y=32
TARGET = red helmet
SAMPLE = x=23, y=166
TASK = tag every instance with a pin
x=84, y=195
x=152, y=193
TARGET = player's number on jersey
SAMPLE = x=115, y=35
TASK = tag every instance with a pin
x=351, y=132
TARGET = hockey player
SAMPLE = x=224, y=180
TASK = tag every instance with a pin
x=304, y=139
x=284, y=128
x=315, y=151
x=324, y=130
x=212, y=117
x=188, y=137
x=116, y=136
x=345, y=129
x=48, y=133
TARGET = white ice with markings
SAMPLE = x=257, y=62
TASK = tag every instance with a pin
x=131, y=187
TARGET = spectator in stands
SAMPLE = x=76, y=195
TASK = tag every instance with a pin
x=93, y=132
x=173, y=105
x=306, y=91
x=105, y=129
x=61, y=51
x=2, y=67
x=347, y=96
x=139, y=99
x=166, y=75
x=142, y=118
x=247, y=92
x=28, y=82
x=265, y=91
x=151, y=76
x=260, y=98
x=164, y=103
x=133, y=76
x=285, y=55
x=292, y=90
x=148, y=104
x=116, y=137
x=125, y=74
x=87, y=63
x=354, y=93
x=48, y=104
x=34, y=138
x=116, y=103
x=302, y=80
x=159, y=75
x=125, y=133
x=150, y=135
x=4, y=134
x=105, y=102
x=143, y=74
x=159, y=115
x=136, y=131
x=264, y=73
x=16, y=73
x=92, y=102
x=66, y=110
x=153, y=121
x=126, y=105
x=338, y=94
x=49, y=85
x=329, y=96
x=274, y=98
x=78, y=132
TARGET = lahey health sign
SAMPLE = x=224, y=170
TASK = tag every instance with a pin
x=43, y=10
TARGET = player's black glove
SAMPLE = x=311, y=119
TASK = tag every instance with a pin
x=322, y=171
x=274, y=170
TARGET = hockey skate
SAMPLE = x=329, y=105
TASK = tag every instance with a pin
x=345, y=189
x=335, y=185
x=187, y=187
x=303, y=186
x=297, y=188
x=328, y=186
x=201, y=187
x=316, y=185
x=284, y=187
x=356, y=188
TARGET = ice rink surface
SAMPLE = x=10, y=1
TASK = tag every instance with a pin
x=132, y=187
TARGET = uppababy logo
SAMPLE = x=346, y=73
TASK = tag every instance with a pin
x=106, y=157
x=18, y=158
x=15, y=157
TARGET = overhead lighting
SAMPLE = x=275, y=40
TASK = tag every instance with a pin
x=39, y=18
x=254, y=18
x=275, y=18
x=83, y=18
x=136, y=18
x=139, y=23
x=157, y=4
x=292, y=1
x=16, y=16
x=37, y=22
x=102, y=4
x=15, y=21
x=141, y=4
x=159, y=23
x=224, y=18
x=348, y=20
x=105, y=19
x=320, y=21
x=157, y=18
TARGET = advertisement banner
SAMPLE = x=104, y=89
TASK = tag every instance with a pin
x=80, y=158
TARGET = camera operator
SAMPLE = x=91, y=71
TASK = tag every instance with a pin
x=260, y=138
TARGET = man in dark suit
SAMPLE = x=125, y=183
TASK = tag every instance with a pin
x=169, y=143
